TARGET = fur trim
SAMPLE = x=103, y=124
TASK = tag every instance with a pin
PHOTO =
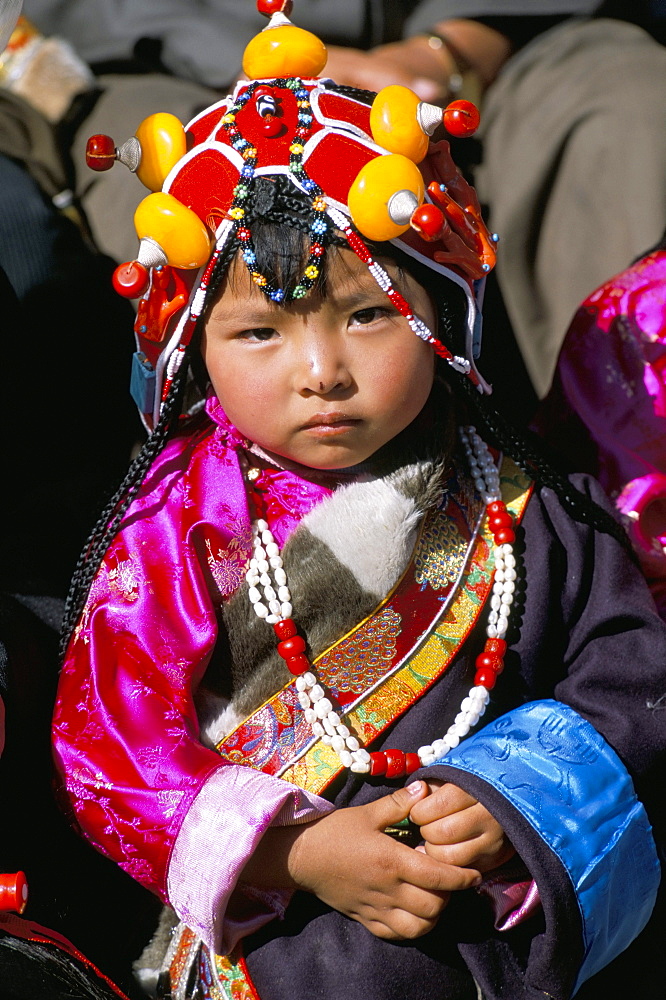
x=217, y=716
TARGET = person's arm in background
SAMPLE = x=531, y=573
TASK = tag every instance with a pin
x=424, y=62
x=441, y=52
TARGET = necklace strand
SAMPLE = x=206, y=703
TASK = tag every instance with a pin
x=271, y=600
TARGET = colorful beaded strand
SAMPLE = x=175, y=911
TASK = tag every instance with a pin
x=237, y=212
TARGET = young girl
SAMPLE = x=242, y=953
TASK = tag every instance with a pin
x=290, y=620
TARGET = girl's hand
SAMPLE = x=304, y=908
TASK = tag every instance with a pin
x=347, y=860
x=458, y=830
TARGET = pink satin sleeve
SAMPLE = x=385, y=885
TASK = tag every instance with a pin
x=141, y=785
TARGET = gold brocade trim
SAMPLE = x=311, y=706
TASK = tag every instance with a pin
x=366, y=656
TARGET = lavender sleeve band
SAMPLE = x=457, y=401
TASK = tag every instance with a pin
x=229, y=816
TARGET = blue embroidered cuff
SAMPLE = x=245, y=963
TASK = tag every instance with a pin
x=558, y=772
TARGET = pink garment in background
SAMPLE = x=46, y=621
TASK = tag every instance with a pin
x=606, y=410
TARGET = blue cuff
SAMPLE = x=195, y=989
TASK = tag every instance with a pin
x=558, y=772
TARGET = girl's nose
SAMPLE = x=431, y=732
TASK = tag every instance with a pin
x=324, y=369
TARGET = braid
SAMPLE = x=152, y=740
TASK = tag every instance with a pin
x=527, y=450
x=110, y=519
x=221, y=266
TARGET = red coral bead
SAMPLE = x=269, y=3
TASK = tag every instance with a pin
x=378, y=763
x=412, y=762
x=395, y=763
x=505, y=536
x=496, y=646
x=496, y=507
x=486, y=678
x=501, y=520
x=461, y=118
x=285, y=629
x=428, y=221
x=100, y=152
x=130, y=280
x=298, y=664
x=270, y=7
x=486, y=661
x=291, y=647
x=273, y=127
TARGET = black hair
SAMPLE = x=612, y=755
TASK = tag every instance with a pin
x=280, y=219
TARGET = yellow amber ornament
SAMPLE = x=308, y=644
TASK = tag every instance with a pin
x=377, y=183
x=284, y=51
x=180, y=233
x=163, y=144
x=395, y=124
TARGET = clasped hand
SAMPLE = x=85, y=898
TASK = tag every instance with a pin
x=396, y=892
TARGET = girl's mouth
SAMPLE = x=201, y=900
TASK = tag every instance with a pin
x=330, y=423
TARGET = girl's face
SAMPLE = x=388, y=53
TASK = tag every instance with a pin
x=321, y=382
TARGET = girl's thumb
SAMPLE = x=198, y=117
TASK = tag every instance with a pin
x=398, y=805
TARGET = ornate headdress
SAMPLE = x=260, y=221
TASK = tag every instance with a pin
x=370, y=172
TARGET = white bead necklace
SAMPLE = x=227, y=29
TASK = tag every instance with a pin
x=271, y=600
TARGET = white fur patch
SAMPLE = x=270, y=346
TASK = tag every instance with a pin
x=217, y=717
x=371, y=529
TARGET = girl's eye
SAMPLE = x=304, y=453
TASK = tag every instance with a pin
x=260, y=333
x=369, y=315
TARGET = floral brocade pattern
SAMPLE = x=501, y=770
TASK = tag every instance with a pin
x=357, y=664
x=217, y=977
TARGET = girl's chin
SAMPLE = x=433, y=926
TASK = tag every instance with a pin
x=322, y=459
